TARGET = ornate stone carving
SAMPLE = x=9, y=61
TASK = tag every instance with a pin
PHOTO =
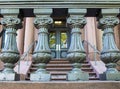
x=10, y=54
x=110, y=54
x=42, y=21
x=42, y=52
x=76, y=52
x=108, y=22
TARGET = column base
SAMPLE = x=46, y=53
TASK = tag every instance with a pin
x=41, y=74
x=110, y=76
x=9, y=76
x=77, y=75
x=8, y=73
x=113, y=76
x=111, y=73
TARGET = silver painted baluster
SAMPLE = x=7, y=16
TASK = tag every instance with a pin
x=110, y=53
x=42, y=52
x=76, y=53
x=9, y=54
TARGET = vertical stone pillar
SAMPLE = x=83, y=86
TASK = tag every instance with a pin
x=42, y=52
x=90, y=36
x=29, y=34
x=76, y=53
x=110, y=54
x=20, y=39
x=9, y=54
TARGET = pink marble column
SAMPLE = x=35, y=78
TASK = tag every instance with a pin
x=90, y=36
x=117, y=35
x=35, y=35
x=20, y=39
x=99, y=34
x=29, y=34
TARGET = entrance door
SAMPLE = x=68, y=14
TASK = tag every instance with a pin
x=59, y=42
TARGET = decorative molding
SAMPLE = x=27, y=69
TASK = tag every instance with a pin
x=108, y=21
x=42, y=52
x=58, y=4
x=42, y=21
x=76, y=21
x=76, y=52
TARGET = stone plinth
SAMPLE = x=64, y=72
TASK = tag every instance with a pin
x=60, y=85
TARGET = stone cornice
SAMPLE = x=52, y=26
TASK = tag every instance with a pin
x=59, y=4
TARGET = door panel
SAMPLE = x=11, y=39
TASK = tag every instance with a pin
x=59, y=42
x=52, y=43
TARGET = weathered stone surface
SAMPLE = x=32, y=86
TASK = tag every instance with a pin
x=58, y=4
x=40, y=77
x=60, y=85
x=76, y=51
x=6, y=76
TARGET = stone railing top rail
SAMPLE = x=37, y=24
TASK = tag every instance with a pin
x=65, y=0
x=59, y=4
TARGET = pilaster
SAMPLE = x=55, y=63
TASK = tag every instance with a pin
x=90, y=37
x=29, y=34
x=20, y=38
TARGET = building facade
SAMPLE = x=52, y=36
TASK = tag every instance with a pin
x=75, y=30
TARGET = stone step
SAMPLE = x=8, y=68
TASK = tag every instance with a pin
x=65, y=65
x=61, y=65
x=67, y=69
x=59, y=62
x=62, y=62
x=63, y=78
x=58, y=68
x=62, y=69
x=91, y=74
x=59, y=73
x=64, y=73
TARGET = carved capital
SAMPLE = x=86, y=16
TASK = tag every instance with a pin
x=76, y=21
x=108, y=21
x=10, y=22
x=42, y=21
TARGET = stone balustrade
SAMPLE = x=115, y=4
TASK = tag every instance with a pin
x=42, y=53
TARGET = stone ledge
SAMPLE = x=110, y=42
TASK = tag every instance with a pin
x=60, y=85
x=59, y=4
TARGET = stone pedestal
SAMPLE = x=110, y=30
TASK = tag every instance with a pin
x=77, y=74
x=41, y=74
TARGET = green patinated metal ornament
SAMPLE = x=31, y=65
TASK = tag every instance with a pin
x=9, y=54
x=110, y=54
x=76, y=53
x=42, y=53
